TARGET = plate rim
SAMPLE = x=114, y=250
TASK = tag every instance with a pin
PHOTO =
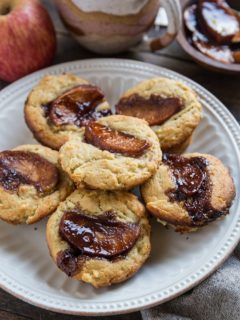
x=231, y=125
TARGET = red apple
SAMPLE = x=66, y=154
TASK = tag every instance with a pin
x=27, y=38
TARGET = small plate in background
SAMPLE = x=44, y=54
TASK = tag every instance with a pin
x=196, y=55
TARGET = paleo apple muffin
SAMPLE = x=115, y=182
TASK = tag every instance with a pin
x=31, y=184
x=99, y=237
x=189, y=191
x=112, y=153
x=60, y=105
x=171, y=108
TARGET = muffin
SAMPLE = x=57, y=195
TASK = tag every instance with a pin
x=31, y=184
x=171, y=108
x=115, y=152
x=189, y=191
x=60, y=105
x=99, y=237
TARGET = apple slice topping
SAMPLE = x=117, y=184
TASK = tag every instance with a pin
x=214, y=29
x=217, y=52
x=27, y=168
x=188, y=173
x=77, y=106
x=218, y=20
x=98, y=236
x=190, y=18
x=114, y=141
x=155, y=109
x=193, y=188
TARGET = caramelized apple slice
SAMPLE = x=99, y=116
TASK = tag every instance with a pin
x=189, y=173
x=155, y=109
x=114, y=141
x=218, y=20
x=77, y=106
x=98, y=236
x=67, y=262
x=23, y=167
x=219, y=53
x=190, y=18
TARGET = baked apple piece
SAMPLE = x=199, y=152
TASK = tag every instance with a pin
x=77, y=106
x=201, y=40
x=190, y=18
x=114, y=141
x=155, y=109
x=220, y=53
x=98, y=235
x=218, y=20
x=189, y=174
x=24, y=167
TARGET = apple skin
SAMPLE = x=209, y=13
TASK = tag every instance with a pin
x=28, y=39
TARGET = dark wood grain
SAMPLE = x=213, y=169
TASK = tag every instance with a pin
x=226, y=88
x=11, y=316
x=13, y=308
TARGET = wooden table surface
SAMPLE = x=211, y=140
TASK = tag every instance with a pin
x=226, y=88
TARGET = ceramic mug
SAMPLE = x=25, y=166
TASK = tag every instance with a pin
x=113, y=26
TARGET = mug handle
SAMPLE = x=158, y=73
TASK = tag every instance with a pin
x=174, y=14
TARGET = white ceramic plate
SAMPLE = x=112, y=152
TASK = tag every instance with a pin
x=177, y=262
